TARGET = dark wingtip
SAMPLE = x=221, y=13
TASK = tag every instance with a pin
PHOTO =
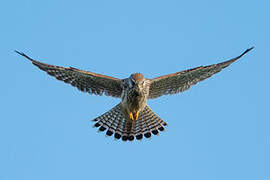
x=24, y=55
x=246, y=51
x=18, y=52
x=227, y=63
x=249, y=49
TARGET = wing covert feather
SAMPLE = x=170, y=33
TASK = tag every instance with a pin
x=181, y=81
x=85, y=81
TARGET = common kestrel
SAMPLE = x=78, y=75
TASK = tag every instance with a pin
x=131, y=118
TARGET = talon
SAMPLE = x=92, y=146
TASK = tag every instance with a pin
x=131, y=116
x=136, y=115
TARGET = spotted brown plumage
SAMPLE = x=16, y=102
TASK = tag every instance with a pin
x=85, y=81
x=131, y=118
x=181, y=81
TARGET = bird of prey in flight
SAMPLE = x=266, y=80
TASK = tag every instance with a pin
x=132, y=118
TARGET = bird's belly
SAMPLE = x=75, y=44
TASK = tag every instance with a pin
x=135, y=101
x=133, y=104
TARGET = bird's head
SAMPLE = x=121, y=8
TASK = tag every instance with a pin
x=136, y=81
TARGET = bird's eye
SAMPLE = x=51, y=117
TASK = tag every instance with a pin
x=143, y=83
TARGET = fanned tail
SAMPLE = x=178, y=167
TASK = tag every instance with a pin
x=148, y=123
x=115, y=122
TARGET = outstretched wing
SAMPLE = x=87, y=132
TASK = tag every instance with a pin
x=85, y=81
x=181, y=81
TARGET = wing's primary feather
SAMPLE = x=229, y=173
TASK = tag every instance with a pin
x=85, y=81
x=181, y=81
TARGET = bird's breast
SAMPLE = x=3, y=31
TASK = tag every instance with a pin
x=134, y=100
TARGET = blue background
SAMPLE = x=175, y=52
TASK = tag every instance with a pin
x=219, y=129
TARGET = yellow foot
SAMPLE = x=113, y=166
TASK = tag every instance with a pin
x=136, y=115
x=131, y=116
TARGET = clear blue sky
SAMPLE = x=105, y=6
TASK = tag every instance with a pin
x=219, y=129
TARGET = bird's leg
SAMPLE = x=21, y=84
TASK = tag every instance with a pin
x=136, y=115
x=131, y=116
